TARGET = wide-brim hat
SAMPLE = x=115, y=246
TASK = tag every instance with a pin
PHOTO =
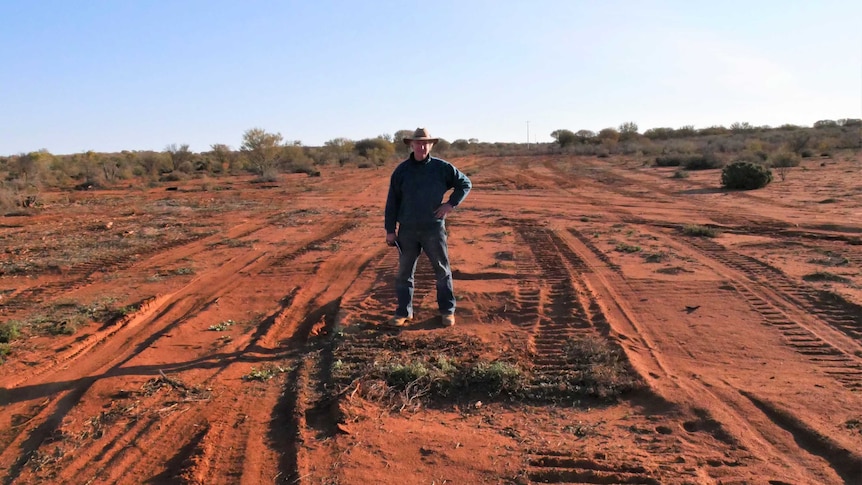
x=420, y=134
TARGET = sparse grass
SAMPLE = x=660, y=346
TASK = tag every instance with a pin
x=673, y=270
x=221, y=327
x=656, y=257
x=494, y=378
x=66, y=317
x=831, y=259
x=264, y=373
x=695, y=230
x=234, y=243
x=627, y=248
x=331, y=247
x=409, y=374
x=443, y=376
x=599, y=369
x=105, y=311
x=680, y=174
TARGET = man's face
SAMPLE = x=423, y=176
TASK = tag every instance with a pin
x=421, y=148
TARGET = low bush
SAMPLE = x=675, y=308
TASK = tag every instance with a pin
x=441, y=376
x=825, y=276
x=690, y=161
x=671, y=160
x=706, y=161
x=745, y=176
x=784, y=159
x=699, y=231
x=493, y=378
x=5, y=349
x=9, y=331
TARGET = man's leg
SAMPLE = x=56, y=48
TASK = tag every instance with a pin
x=435, y=246
x=410, y=249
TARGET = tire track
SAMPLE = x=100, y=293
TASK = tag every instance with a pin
x=80, y=275
x=561, y=315
x=567, y=310
x=50, y=424
x=840, y=361
x=553, y=466
x=841, y=366
x=288, y=424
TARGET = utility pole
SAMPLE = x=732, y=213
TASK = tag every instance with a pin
x=528, y=135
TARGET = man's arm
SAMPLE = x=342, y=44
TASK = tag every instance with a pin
x=393, y=203
x=462, y=185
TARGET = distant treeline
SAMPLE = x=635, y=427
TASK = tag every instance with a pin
x=266, y=154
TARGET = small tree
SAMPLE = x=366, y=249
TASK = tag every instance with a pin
x=660, y=133
x=586, y=136
x=798, y=142
x=741, y=127
x=339, y=150
x=179, y=156
x=398, y=137
x=609, y=135
x=223, y=156
x=460, y=144
x=30, y=167
x=262, y=150
x=379, y=146
x=564, y=137
x=628, y=131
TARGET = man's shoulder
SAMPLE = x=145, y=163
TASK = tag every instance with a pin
x=440, y=161
x=402, y=165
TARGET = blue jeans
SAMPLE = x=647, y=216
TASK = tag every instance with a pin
x=433, y=242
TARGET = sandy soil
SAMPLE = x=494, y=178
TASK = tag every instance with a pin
x=749, y=344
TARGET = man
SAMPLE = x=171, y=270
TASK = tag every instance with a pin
x=413, y=207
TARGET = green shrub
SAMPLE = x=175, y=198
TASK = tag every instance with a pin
x=5, y=349
x=9, y=331
x=442, y=376
x=745, y=176
x=401, y=375
x=494, y=378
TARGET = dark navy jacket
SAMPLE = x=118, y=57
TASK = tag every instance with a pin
x=416, y=190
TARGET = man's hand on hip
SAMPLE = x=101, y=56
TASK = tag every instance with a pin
x=443, y=211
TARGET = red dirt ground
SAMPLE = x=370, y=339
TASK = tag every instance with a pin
x=749, y=344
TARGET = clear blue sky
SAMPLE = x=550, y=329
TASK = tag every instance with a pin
x=141, y=75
